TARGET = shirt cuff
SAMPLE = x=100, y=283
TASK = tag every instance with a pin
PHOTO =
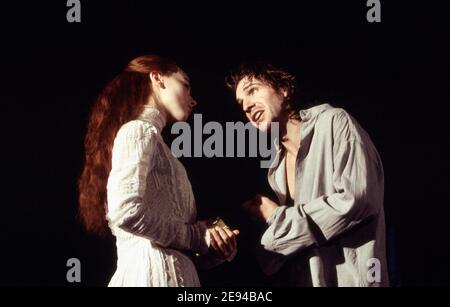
x=274, y=214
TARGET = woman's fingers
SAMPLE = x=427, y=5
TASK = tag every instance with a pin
x=223, y=241
x=213, y=242
x=221, y=246
x=227, y=240
x=232, y=237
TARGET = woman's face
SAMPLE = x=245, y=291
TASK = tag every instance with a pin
x=175, y=96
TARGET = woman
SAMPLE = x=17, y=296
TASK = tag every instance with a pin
x=132, y=182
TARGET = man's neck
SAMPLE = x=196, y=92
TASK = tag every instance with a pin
x=290, y=135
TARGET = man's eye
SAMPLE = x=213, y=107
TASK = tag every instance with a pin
x=252, y=91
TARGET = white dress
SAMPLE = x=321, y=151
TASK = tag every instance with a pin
x=151, y=209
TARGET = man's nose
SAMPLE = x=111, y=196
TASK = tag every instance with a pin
x=247, y=105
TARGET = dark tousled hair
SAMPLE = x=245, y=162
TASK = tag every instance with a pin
x=275, y=76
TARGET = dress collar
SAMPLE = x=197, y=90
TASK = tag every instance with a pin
x=153, y=116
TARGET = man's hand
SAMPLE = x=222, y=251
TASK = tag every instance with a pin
x=260, y=207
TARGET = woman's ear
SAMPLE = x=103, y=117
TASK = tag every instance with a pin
x=156, y=79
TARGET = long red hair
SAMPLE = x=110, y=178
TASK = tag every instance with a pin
x=122, y=100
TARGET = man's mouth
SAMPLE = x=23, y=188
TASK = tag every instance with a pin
x=257, y=115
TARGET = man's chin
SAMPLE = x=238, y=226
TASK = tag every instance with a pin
x=263, y=126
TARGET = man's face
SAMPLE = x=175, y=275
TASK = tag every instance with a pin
x=261, y=103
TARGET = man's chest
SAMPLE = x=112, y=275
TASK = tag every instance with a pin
x=290, y=174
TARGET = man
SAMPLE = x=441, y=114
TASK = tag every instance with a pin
x=327, y=228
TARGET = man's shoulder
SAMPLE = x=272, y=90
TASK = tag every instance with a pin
x=338, y=122
x=341, y=124
x=333, y=115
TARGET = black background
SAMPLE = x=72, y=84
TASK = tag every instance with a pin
x=392, y=76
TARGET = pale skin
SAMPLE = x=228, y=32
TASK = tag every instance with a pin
x=263, y=105
x=171, y=95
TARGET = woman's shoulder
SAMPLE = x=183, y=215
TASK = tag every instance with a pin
x=133, y=137
x=136, y=129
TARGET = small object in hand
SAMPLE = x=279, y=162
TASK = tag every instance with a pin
x=218, y=222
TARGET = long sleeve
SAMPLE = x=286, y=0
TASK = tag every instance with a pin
x=357, y=184
x=133, y=157
x=209, y=260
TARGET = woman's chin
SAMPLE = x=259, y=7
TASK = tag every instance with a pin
x=181, y=117
x=186, y=116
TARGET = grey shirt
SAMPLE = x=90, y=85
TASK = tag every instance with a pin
x=334, y=232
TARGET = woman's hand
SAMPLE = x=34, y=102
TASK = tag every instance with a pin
x=223, y=242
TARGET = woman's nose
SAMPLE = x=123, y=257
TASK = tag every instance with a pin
x=193, y=102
